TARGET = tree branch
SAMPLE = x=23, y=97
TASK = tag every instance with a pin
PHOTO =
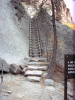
x=43, y=2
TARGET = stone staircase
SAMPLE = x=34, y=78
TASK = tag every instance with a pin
x=36, y=69
x=38, y=65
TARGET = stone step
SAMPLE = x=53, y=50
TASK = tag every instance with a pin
x=34, y=78
x=33, y=73
x=38, y=63
x=34, y=67
x=38, y=59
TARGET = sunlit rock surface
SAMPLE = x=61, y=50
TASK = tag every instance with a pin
x=14, y=34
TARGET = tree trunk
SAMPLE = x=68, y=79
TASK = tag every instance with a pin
x=52, y=64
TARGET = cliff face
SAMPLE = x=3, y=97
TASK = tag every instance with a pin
x=13, y=32
x=62, y=13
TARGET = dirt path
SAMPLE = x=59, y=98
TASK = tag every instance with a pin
x=17, y=88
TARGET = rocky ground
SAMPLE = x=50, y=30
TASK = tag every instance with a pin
x=16, y=87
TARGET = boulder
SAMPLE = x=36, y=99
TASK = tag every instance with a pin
x=45, y=75
x=24, y=70
x=15, y=69
x=22, y=66
x=49, y=82
x=5, y=65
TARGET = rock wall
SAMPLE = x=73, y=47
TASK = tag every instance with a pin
x=64, y=37
x=14, y=31
x=62, y=13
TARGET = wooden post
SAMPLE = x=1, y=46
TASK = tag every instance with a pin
x=65, y=80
